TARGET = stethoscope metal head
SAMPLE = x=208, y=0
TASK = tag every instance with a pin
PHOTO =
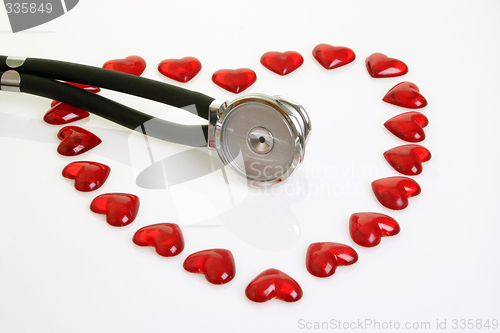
x=262, y=138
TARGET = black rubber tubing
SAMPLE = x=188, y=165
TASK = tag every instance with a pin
x=191, y=135
x=113, y=80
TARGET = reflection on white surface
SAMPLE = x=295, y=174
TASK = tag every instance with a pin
x=200, y=189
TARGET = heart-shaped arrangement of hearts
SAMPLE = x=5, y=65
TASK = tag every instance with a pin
x=217, y=265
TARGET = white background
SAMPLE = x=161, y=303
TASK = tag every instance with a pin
x=63, y=269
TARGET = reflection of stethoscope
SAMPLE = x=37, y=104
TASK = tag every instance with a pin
x=260, y=137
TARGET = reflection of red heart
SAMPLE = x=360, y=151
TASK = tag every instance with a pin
x=380, y=65
x=322, y=259
x=181, y=70
x=217, y=265
x=366, y=229
x=406, y=95
x=408, y=159
x=132, y=65
x=91, y=89
x=408, y=126
x=120, y=208
x=166, y=238
x=88, y=176
x=62, y=113
x=332, y=57
x=273, y=283
x=393, y=192
x=76, y=141
x=236, y=80
x=282, y=63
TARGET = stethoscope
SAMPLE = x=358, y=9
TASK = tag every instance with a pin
x=262, y=138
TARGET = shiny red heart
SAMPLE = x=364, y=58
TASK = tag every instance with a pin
x=88, y=88
x=393, y=192
x=367, y=229
x=408, y=159
x=166, y=238
x=217, y=265
x=282, y=63
x=273, y=283
x=75, y=141
x=406, y=95
x=132, y=65
x=379, y=65
x=120, y=208
x=322, y=259
x=88, y=176
x=62, y=113
x=332, y=57
x=236, y=80
x=181, y=70
x=408, y=126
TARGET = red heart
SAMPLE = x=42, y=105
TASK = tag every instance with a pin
x=181, y=70
x=282, y=63
x=62, y=113
x=380, y=65
x=132, y=65
x=408, y=126
x=408, y=159
x=120, y=208
x=216, y=264
x=407, y=95
x=236, y=80
x=91, y=89
x=88, y=176
x=332, y=57
x=273, y=283
x=393, y=192
x=367, y=229
x=76, y=141
x=166, y=238
x=322, y=259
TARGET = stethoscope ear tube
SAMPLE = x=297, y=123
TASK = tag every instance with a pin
x=112, y=80
x=191, y=135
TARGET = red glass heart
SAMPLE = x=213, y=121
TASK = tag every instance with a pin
x=88, y=176
x=182, y=70
x=120, y=208
x=236, y=80
x=406, y=95
x=75, y=141
x=282, y=63
x=379, y=65
x=408, y=126
x=393, y=192
x=166, y=238
x=273, y=283
x=217, y=265
x=332, y=57
x=408, y=159
x=88, y=88
x=322, y=259
x=367, y=229
x=132, y=65
x=62, y=113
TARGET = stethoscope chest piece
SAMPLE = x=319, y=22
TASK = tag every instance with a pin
x=262, y=138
